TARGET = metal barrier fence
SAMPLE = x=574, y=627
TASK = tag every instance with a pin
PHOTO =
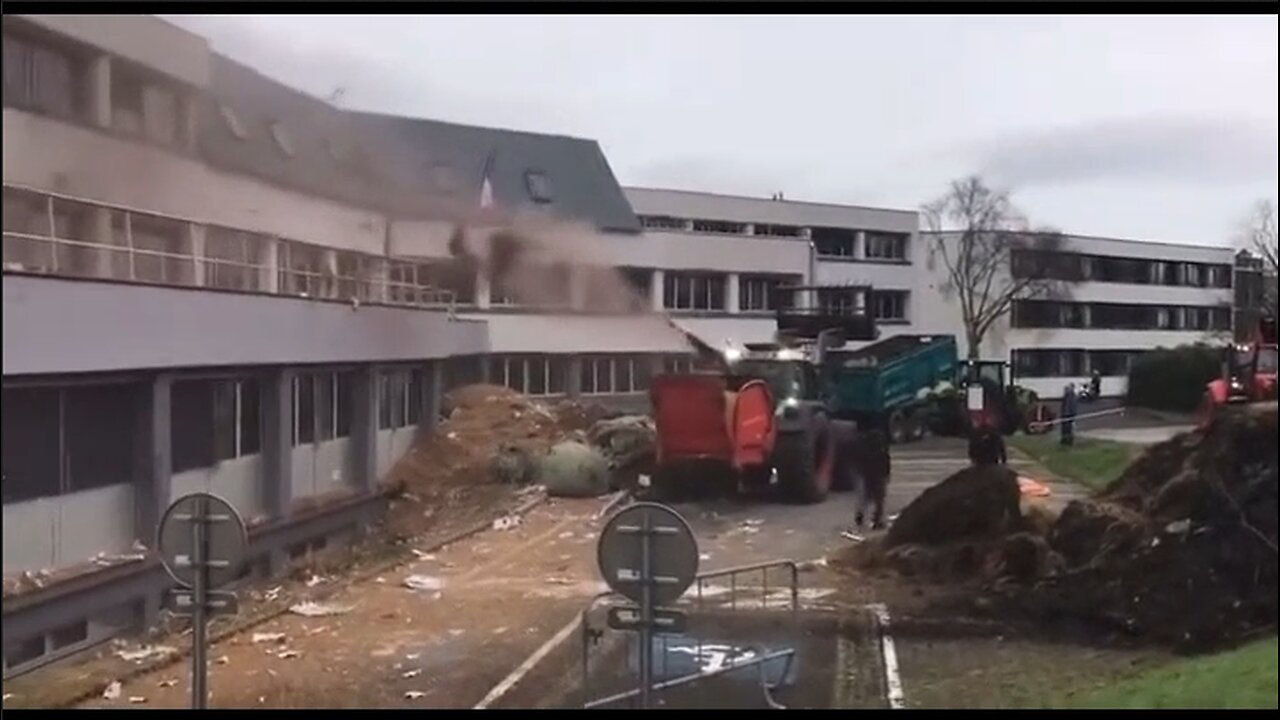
x=703, y=597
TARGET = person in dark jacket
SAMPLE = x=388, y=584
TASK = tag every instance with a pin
x=1069, y=401
x=873, y=467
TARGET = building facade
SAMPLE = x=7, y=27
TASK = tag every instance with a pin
x=215, y=282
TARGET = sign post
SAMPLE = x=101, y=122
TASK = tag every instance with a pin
x=648, y=554
x=203, y=544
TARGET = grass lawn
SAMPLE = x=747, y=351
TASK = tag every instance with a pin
x=1090, y=462
x=1240, y=678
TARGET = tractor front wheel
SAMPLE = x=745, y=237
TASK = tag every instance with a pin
x=805, y=461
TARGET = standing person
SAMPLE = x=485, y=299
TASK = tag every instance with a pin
x=874, y=467
x=1068, y=415
x=1095, y=384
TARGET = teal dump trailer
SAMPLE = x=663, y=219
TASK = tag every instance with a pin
x=893, y=384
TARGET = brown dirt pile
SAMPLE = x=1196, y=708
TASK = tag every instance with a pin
x=487, y=438
x=1180, y=549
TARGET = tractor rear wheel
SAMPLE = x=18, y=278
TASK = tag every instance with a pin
x=805, y=461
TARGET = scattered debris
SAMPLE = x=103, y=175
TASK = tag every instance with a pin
x=704, y=556
x=412, y=656
x=409, y=674
x=565, y=535
x=137, y=699
x=423, y=582
x=1178, y=527
x=414, y=695
x=223, y=660
x=112, y=692
x=268, y=637
x=423, y=556
x=500, y=630
x=144, y=653
x=311, y=608
x=7, y=696
x=852, y=536
x=167, y=683
x=559, y=581
x=288, y=654
x=811, y=565
x=314, y=580
x=506, y=523
x=273, y=593
x=457, y=632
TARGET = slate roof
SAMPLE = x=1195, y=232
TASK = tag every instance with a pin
x=404, y=166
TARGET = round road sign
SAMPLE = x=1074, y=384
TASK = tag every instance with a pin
x=226, y=541
x=672, y=551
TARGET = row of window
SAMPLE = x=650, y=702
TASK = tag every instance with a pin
x=1118, y=316
x=886, y=305
x=1078, y=267
x=543, y=375
x=1073, y=363
x=44, y=78
x=830, y=242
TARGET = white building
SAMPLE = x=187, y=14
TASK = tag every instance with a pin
x=214, y=282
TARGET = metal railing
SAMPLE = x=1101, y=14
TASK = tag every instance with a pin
x=125, y=259
x=785, y=595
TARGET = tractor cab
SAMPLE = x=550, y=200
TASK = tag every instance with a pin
x=992, y=398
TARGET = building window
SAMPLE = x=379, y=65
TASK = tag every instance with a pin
x=891, y=304
x=790, y=231
x=720, y=227
x=538, y=185
x=230, y=259
x=688, y=291
x=234, y=126
x=841, y=301
x=886, y=246
x=677, y=365
x=32, y=455
x=322, y=406
x=39, y=79
x=534, y=375
x=834, y=242
x=661, y=222
x=606, y=375
x=214, y=420
x=762, y=293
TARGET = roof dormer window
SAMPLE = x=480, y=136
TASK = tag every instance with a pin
x=283, y=140
x=539, y=186
x=233, y=122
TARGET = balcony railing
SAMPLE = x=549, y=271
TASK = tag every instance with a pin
x=366, y=279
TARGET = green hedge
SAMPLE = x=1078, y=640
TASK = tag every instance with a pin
x=1173, y=379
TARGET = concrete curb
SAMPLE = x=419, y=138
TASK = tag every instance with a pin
x=402, y=557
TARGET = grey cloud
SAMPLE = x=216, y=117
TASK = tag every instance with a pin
x=1169, y=149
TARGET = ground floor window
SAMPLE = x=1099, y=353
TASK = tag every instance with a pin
x=400, y=398
x=323, y=405
x=213, y=420
x=530, y=374
x=59, y=440
x=602, y=375
x=1059, y=362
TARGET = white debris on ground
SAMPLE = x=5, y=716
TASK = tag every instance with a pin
x=423, y=582
x=167, y=683
x=145, y=653
x=268, y=637
x=112, y=691
x=414, y=695
x=315, y=609
x=224, y=660
x=288, y=654
x=137, y=699
x=273, y=593
x=424, y=556
x=410, y=674
x=506, y=523
x=315, y=580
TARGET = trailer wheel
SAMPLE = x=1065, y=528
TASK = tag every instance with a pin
x=919, y=427
x=805, y=460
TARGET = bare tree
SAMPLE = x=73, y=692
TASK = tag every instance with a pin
x=1260, y=240
x=991, y=255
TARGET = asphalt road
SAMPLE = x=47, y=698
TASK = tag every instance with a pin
x=806, y=532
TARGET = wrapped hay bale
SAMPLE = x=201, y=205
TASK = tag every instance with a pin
x=572, y=469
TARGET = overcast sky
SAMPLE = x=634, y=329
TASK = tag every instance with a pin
x=1144, y=127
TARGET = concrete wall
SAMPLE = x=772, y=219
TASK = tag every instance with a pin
x=65, y=530
x=55, y=156
x=530, y=333
x=58, y=326
x=320, y=468
x=239, y=481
